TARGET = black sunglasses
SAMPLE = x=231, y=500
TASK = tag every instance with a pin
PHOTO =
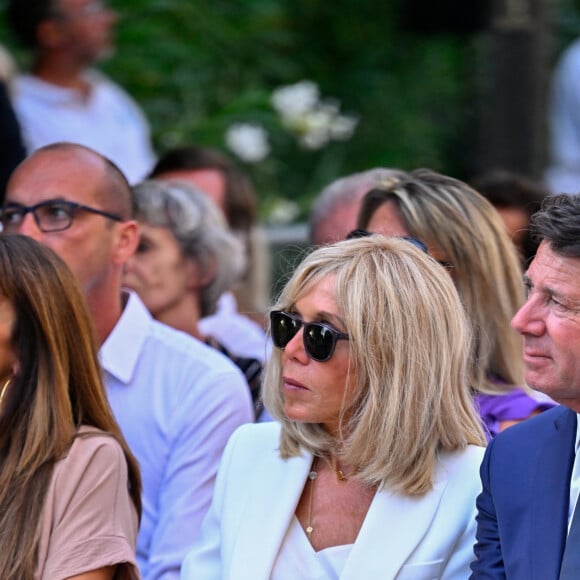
x=319, y=339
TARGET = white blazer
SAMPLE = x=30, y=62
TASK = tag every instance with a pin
x=256, y=493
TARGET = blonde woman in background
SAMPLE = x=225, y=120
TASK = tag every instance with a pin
x=464, y=232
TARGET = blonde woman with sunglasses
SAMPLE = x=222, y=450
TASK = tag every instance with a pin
x=372, y=468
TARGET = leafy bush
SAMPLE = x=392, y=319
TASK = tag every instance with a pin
x=198, y=67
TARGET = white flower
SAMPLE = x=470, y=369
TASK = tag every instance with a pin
x=314, y=140
x=343, y=127
x=292, y=101
x=315, y=131
x=248, y=141
x=284, y=211
x=314, y=122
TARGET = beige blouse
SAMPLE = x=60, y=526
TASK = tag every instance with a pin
x=89, y=519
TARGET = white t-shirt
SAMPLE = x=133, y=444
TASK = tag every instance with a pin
x=108, y=121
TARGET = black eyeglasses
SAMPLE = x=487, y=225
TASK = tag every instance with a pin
x=319, y=339
x=50, y=216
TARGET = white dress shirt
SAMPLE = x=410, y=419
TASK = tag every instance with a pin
x=238, y=333
x=177, y=402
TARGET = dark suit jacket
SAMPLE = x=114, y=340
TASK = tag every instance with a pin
x=523, y=507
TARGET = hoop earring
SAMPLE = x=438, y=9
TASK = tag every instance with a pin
x=3, y=389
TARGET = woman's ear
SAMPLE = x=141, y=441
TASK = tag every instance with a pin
x=198, y=275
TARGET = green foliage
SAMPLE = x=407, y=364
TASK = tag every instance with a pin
x=196, y=67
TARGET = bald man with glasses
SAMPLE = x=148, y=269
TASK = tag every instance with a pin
x=176, y=400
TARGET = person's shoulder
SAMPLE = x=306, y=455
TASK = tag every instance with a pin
x=526, y=434
x=514, y=404
x=166, y=337
x=546, y=420
x=172, y=338
x=237, y=333
x=169, y=339
x=97, y=78
x=24, y=81
x=25, y=87
x=460, y=461
x=99, y=81
x=259, y=438
x=91, y=441
x=92, y=453
x=569, y=60
x=572, y=50
x=165, y=357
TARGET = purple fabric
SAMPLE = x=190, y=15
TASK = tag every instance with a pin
x=514, y=405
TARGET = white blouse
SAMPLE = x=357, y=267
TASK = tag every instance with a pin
x=297, y=558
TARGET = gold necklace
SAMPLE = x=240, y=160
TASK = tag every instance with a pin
x=311, y=476
x=332, y=463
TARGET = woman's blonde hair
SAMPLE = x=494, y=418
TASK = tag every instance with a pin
x=57, y=387
x=485, y=265
x=409, y=341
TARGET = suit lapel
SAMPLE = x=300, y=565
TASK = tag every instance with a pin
x=550, y=496
x=267, y=515
x=397, y=522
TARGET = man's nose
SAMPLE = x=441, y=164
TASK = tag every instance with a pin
x=29, y=227
x=528, y=319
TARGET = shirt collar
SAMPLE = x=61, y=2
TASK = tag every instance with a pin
x=120, y=352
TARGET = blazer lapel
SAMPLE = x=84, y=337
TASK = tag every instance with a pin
x=550, y=497
x=397, y=522
x=267, y=515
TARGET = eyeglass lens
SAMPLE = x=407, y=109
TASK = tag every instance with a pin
x=50, y=217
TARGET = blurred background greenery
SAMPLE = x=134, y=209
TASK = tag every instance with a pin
x=412, y=75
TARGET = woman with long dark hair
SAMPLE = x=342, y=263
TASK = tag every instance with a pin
x=69, y=486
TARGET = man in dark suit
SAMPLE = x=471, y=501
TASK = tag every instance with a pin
x=530, y=486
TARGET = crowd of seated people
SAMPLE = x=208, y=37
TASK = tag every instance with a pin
x=164, y=416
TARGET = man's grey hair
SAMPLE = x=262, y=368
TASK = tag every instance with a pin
x=345, y=191
x=558, y=223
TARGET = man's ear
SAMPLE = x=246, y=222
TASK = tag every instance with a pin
x=126, y=241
